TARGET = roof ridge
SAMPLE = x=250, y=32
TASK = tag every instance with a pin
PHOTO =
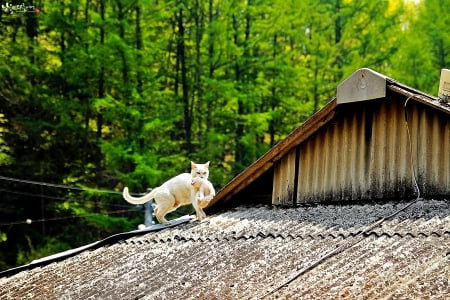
x=230, y=236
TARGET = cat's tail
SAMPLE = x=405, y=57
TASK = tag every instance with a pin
x=135, y=200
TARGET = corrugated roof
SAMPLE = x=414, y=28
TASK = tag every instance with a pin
x=309, y=252
x=307, y=129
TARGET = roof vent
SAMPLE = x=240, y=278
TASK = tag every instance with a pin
x=444, y=85
x=364, y=84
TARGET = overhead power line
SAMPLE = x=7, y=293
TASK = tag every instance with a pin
x=60, y=186
x=30, y=221
x=41, y=196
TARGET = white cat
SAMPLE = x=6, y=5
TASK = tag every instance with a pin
x=175, y=192
x=204, y=191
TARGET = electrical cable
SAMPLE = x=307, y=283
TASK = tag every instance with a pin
x=410, y=146
x=57, y=198
x=60, y=199
x=32, y=195
x=60, y=186
x=346, y=244
x=41, y=196
x=29, y=221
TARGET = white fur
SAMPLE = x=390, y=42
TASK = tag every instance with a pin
x=205, y=191
x=174, y=193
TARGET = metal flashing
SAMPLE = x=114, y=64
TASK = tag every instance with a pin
x=365, y=84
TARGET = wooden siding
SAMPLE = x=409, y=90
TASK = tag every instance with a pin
x=364, y=153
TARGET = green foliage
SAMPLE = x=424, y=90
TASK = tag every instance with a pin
x=3, y=237
x=48, y=247
x=5, y=150
x=112, y=224
x=107, y=94
x=425, y=46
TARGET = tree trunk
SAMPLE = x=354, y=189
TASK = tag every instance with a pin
x=211, y=64
x=125, y=71
x=101, y=79
x=241, y=77
x=101, y=87
x=87, y=112
x=139, y=47
x=198, y=19
x=181, y=58
x=272, y=122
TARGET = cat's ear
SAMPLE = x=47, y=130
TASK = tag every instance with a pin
x=207, y=164
x=193, y=165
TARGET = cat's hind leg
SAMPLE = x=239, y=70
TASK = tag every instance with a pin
x=164, y=205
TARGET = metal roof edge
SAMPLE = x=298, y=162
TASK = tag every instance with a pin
x=418, y=96
x=107, y=241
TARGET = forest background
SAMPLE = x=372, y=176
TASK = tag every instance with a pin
x=96, y=95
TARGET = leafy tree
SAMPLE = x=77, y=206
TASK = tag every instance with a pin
x=101, y=94
x=425, y=47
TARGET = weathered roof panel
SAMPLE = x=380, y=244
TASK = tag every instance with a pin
x=324, y=251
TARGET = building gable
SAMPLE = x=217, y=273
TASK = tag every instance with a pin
x=386, y=141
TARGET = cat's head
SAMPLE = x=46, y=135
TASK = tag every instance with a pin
x=200, y=170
